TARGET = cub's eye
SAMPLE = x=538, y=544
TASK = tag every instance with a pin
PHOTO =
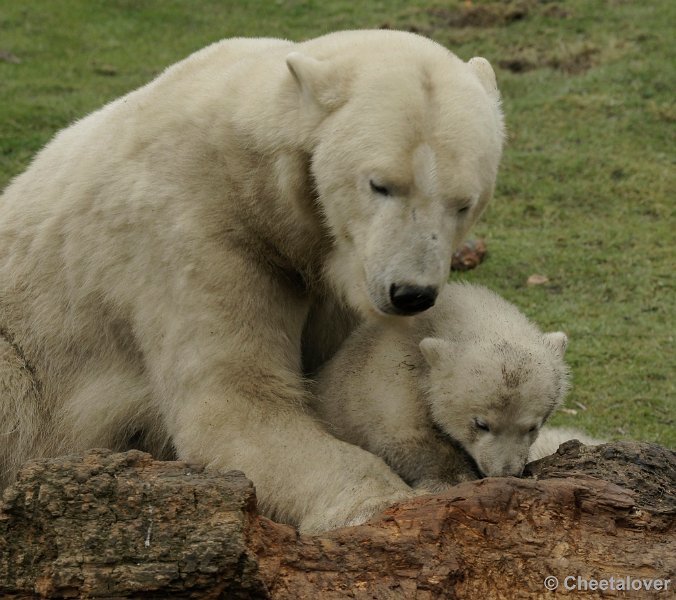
x=482, y=425
x=533, y=429
x=463, y=210
x=381, y=190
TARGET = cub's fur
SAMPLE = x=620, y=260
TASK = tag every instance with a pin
x=471, y=373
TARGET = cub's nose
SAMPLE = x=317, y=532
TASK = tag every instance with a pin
x=512, y=469
x=412, y=299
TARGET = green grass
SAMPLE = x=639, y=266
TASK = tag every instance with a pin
x=586, y=190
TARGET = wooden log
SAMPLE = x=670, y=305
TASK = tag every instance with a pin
x=125, y=526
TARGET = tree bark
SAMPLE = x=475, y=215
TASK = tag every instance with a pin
x=125, y=526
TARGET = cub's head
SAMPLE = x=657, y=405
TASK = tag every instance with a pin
x=405, y=142
x=493, y=397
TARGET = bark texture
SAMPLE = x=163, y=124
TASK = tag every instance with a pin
x=125, y=526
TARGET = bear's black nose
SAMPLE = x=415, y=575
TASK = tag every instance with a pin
x=412, y=299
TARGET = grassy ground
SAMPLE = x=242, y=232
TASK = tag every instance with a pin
x=586, y=192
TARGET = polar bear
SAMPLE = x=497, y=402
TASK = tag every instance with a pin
x=172, y=265
x=471, y=377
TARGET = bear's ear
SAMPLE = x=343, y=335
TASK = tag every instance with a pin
x=558, y=341
x=319, y=81
x=483, y=70
x=434, y=349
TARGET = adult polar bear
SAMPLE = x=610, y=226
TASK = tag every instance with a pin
x=162, y=258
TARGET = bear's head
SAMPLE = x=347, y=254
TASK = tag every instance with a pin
x=493, y=396
x=405, y=144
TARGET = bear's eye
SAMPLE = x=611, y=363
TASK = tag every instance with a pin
x=381, y=190
x=482, y=425
x=463, y=210
x=533, y=429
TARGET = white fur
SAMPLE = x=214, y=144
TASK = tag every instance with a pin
x=415, y=394
x=164, y=259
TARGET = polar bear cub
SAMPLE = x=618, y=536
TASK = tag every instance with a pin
x=471, y=373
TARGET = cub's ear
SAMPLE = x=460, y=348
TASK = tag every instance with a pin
x=320, y=82
x=483, y=70
x=435, y=349
x=558, y=341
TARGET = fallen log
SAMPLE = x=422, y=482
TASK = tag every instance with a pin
x=122, y=525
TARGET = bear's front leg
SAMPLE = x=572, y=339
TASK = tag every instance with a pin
x=226, y=374
x=303, y=475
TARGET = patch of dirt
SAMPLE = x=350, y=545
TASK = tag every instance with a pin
x=482, y=15
x=555, y=11
x=486, y=14
x=573, y=59
x=517, y=64
x=9, y=57
x=105, y=70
